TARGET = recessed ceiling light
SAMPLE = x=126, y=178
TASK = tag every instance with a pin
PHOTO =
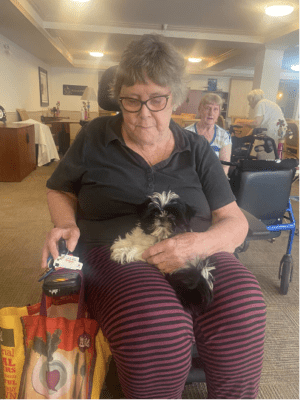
x=96, y=54
x=279, y=95
x=295, y=68
x=279, y=11
x=81, y=1
x=195, y=60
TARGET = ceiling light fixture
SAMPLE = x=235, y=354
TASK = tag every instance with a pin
x=295, y=68
x=195, y=60
x=279, y=95
x=279, y=11
x=81, y=1
x=96, y=54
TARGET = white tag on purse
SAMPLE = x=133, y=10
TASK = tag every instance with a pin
x=68, y=261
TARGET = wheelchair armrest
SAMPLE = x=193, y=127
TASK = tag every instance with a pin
x=257, y=229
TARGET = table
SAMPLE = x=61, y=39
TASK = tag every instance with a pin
x=45, y=147
x=60, y=128
x=17, y=152
x=84, y=121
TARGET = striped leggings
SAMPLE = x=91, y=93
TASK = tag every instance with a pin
x=151, y=335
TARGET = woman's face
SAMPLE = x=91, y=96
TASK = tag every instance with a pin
x=209, y=113
x=146, y=126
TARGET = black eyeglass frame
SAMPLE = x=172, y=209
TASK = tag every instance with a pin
x=167, y=96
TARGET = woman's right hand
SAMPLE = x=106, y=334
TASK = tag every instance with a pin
x=71, y=235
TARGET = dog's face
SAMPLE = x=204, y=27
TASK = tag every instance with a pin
x=164, y=215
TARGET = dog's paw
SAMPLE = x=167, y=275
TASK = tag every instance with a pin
x=124, y=255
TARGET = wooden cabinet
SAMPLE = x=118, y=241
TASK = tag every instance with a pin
x=17, y=152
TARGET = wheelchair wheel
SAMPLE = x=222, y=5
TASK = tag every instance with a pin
x=285, y=273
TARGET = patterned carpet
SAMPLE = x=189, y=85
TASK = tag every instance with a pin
x=24, y=221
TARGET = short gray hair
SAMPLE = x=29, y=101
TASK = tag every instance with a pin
x=255, y=95
x=151, y=56
x=211, y=98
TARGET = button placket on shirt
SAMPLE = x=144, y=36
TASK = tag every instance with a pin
x=150, y=179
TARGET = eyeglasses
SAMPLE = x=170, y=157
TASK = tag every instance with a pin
x=154, y=104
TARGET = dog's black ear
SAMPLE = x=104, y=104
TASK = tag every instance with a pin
x=182, y=213
x=142, y=208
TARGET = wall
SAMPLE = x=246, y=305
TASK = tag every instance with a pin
x=19, y=87
x=200, y=82
x=289, y=101
x=72, y=76
x=297, y=113
x=19, y=83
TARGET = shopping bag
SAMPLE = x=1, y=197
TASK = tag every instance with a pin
x=12, y=346
x=61, y=353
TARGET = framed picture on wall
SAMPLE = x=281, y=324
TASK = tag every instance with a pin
x=212, y=85
x=44, y=95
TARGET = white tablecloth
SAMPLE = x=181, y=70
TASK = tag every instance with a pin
x=43, y=138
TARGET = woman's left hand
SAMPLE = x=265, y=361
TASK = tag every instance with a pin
x=171, y=254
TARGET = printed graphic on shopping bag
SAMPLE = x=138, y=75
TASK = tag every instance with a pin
x=59, y=361
x=8, y=361
x=12, y=347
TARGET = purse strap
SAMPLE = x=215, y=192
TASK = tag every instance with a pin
x=81, y=301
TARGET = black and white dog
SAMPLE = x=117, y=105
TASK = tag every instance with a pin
x=162, y=216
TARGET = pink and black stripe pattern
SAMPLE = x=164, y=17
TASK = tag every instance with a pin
x=230, y=335
x=151, y=334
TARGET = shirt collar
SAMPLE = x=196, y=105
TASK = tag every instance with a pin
x=113, y=132
x=113, y=129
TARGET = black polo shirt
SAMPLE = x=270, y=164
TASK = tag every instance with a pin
x=110, y=179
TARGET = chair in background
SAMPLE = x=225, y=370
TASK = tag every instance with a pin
x=178, y=119
x=188, y=116
x=291, y=143
x=186, y=122
x=22, y=114
x=242, y=130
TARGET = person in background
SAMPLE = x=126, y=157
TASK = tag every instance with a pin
x=219, y=139
x=111, y=168
x=266, y=115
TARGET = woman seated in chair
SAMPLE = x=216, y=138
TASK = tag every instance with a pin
x=220, y=141
x=111, y=168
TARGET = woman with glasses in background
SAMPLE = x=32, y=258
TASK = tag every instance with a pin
x=112, y=167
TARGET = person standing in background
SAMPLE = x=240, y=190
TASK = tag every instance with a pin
x=266, y=115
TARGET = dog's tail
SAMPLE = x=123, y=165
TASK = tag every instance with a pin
x=193, y=283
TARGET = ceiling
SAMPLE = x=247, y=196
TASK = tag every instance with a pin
x=226, y=34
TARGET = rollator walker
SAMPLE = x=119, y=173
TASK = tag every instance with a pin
x=262, y=188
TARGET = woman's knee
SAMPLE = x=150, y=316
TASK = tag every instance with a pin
x=238, y=309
